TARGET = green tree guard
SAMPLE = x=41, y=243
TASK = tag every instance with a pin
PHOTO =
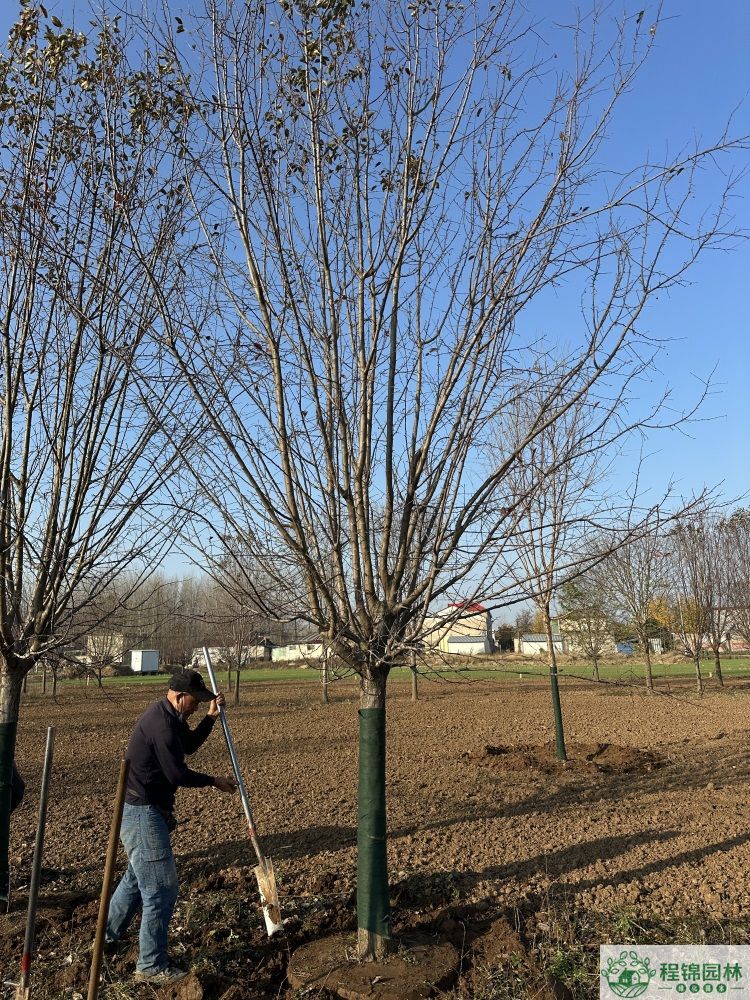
x=373, y=910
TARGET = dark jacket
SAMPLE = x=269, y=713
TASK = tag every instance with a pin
x=156, y=752
x=17, y=788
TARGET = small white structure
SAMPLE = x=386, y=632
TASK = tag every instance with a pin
x=536, y=642
x=467, y=645
x=462, y=627
x=311, y=650
x=222, y=656
x=144, y=661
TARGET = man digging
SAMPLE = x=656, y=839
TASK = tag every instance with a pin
x=156, y=752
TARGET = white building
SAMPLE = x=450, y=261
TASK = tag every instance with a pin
x=536, y=642
x=144, y=661
x=462, y=627
x=293, y=651
x=223, y=656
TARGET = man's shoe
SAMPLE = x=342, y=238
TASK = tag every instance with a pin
x=172, y=974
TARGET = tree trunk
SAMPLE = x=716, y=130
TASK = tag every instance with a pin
x=560, y=751
x=596, y=668
x=324, y=678
x=44, y=677
x=649, y=675
x=237, y=686
x=11, y=682
x=717, y=666
x=698, y=676
x=54, y=682
x=373, y=909
x=413, y=667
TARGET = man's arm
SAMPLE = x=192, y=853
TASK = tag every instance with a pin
x=194, y=738
x=170, y=754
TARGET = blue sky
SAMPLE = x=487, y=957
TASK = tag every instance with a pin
x=699, y=74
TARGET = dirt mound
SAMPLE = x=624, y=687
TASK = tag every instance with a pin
x=605, y=758
x=416, y=967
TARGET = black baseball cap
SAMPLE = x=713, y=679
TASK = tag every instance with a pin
x=190, y=682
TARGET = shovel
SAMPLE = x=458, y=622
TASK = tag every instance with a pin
x=264, y=869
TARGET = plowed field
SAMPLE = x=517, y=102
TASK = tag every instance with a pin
x=650, y=818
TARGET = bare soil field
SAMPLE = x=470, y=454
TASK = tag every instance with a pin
x=522, y=863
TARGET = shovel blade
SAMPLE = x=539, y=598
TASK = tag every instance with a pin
x=269, y=898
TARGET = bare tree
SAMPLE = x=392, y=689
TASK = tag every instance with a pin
x=708, y=543
x=637, y=575
x=86, y=196
x=380, y=200
x=585, y=614
x=523, y=624
x=700, y=617
x=237, y=620
x=554, y=482
x=737, y=555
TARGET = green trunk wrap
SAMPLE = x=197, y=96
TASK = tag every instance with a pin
x=373, y=913
x=7, y=750
x=560, y=751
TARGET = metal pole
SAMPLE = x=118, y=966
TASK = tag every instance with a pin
x=109, y=867
x=23, y=990
x=233, y=758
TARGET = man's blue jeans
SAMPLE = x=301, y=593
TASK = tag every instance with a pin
x=150, y=881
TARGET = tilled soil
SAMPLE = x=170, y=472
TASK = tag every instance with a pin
x=650, y=815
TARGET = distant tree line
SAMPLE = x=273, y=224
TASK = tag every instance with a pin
x=686, y=585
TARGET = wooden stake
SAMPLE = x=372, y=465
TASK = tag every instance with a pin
x=23, y=991
x=109, y=867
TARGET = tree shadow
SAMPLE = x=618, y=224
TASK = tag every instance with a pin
x=560, y=863
x=431, y=889
x=417, y=888
x=282, y=846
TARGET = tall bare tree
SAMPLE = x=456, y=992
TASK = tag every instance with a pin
x=86, y=197
x=737, y=554
x=700, y=616
x=384, y=190
x=709, y=543
x=585, y=613
x=637, y=575
x=554, y=483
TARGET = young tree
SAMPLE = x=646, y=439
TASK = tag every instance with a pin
x=637, y=575
x=236, y=618
x=707, y=543
x=557, y=474
x=696, y=588
x=384, y=189
x=737, y=555
x=524, y=624
x=585, y=613
x=86, y=197
x=503, y=634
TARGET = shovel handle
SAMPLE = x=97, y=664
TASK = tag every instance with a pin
x=235, y=763
x=23, y=989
